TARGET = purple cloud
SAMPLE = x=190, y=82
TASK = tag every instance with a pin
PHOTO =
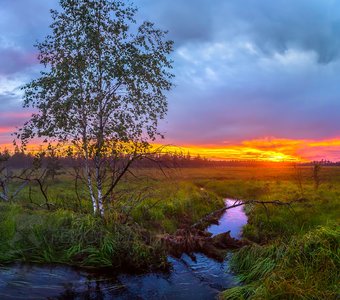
x=244, y=69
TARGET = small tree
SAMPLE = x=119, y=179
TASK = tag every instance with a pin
x=102, y=90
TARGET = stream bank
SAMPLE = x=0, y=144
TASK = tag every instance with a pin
x=202, y=278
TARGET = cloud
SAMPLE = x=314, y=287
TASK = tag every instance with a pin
x=23, y=22
x=14, y=60
x=244, y=69
x=186, y=21
x=11, y=115
x=273, y=26
x=250, y=95
x=276, y=26
x=269, y=148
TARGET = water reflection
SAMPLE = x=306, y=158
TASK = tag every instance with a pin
x=202, y=279
x=233, y=219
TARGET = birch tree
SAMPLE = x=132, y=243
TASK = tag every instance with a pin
x=102, y=91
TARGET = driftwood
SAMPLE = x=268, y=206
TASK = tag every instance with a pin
x=194, y=240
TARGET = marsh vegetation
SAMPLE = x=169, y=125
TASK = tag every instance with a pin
x=293, y=251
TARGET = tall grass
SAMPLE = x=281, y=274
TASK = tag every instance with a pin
x=295, y=252
x=175, y=205
x=69, y=238
x=69, y=235
x=308, y=267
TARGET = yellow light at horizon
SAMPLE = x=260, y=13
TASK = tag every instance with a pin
x=265, y=149
x=234, y=153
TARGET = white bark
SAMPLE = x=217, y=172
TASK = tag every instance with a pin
x=100, y=191
x=100, y=203
x=5, y=195
x=89, y=185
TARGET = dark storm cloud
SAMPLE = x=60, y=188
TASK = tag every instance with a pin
x=278, y=25
x=272, y=25
x=276, y=63
x=186, y=21
x=288, y=95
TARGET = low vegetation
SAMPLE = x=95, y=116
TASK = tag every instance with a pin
x=293, y=251
x=65, y=237
x=305, y=267
x=67, y=232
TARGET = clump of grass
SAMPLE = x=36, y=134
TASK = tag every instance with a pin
x=69, y=238
x=255, y=262
x=305, y=268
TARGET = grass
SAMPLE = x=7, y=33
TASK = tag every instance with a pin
x=69, y=238
x=307, y=267
x=69, y=234
x=181, y=204
x=294, y=254
x=158, y=203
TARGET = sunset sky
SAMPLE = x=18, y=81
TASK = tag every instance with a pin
x=254, y=79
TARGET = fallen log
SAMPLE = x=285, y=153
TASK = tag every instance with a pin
x=194, y=240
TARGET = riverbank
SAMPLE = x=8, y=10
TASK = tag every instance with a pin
x=208, y=276
x=295, y=251
x=35, y=235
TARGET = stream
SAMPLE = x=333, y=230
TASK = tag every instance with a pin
x=202, y=279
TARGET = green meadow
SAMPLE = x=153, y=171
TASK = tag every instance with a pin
x=293, y=251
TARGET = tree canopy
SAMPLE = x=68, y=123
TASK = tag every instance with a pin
x=102, y=89
x=105, y=75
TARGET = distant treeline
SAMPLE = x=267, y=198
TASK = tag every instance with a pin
x=24, y=160
x=322, y=163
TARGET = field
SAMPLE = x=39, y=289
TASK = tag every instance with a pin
x=293, y=251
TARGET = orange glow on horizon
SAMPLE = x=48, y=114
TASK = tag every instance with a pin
x=268, y=149
x=264, y=149
x=236, y=152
